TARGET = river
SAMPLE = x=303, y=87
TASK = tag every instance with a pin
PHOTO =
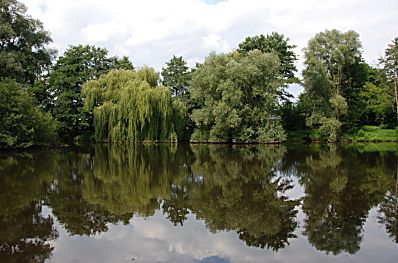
x=200, y=203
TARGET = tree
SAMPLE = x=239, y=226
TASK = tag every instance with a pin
x=176, y=76
x=275, y=43
x=129, y=106
x=237, y=98
x=377, y=100
x=76, y=66
x=332, y=79
x=390, y=63
x=22, y=124
x=123, y=63
x=24, y=51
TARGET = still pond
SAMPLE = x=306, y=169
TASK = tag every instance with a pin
x=200, y=203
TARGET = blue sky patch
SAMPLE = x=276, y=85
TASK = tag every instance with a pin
x=212, y=2
x=43, y=7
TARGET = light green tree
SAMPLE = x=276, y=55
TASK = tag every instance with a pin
x=331, y=59
x=129, y=106
x=238, y=98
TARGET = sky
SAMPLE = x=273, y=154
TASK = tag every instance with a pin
x=150, y=32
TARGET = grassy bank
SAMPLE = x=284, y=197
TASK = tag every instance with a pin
x=373, y=134
x=364, y=134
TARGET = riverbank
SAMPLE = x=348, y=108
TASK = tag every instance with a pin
x=364, y=134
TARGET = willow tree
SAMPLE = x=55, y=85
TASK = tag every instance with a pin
x=237, y=96
x=333, y=79
x=129, y=106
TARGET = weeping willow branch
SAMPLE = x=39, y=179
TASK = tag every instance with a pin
x=128, y=106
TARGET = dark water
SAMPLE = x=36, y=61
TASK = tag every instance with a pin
x=213, y=204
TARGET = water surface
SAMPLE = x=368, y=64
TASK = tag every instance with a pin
x=200, y=203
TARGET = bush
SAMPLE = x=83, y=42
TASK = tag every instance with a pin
x=361, y=133
x=329, y=129
x=22, y=124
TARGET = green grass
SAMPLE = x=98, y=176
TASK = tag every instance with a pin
x=373, y=133
x=300, y=136
x=364, y=134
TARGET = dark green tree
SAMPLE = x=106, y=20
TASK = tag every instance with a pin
x=176, y=76
x=278, y=44
x=24, y=50
x=377, y=100
x=22, y=123
x=123, y=63
x=76, y=66
x=390, y=64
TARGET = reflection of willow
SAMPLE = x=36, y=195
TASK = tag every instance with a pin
x=237, y=188
x=78, y=216
x=24, y=232
x=340, y=189
x=133, y=178
x=388, y=212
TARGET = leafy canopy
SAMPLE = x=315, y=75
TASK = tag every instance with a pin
x=176, y=76
x=24, y=51
x=238, y=98
x=22, y=124
x=129, y=106
x=274, y=43
x=78, y=65
x=332, y=80
x=390, y=65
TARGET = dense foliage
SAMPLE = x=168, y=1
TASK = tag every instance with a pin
x=176, y=76
x=76, y=66
x=237, y=95
x=128, y=106
x=22, y=123
x=274, y=43
x=390, y=65
x=24, y=51
x=333, y=63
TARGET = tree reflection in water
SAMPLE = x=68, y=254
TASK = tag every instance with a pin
x=239, y=189
x=231, y=188
x=25, y=234
x=243, y=189
x=341, y=187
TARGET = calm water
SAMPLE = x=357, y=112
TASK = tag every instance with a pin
x=213, y=204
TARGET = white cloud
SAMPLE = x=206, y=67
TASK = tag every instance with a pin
x=151, y=31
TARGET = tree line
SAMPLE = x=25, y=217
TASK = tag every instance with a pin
x=237, y=97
